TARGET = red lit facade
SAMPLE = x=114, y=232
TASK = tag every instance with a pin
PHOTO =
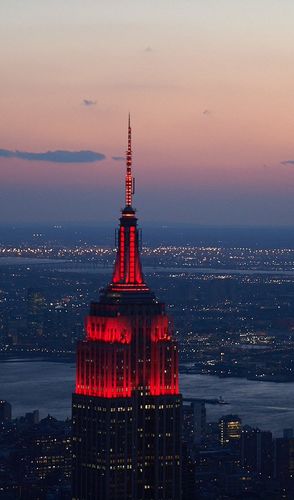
x=110, y=363
x=125, y=353
x=127, y=367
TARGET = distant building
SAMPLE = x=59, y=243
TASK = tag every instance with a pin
x=33, y=417
x=283, y=459
x=50, y=450
x=16, y=332
x=257, y=451
x=35, y=459
x=216, y=466
x=230, y=428
x=188, y=474
x=36, y=306
x=288, y=433
x=5, y=411
x=194, y=422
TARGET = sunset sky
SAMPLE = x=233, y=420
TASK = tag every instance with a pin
x=210, y=87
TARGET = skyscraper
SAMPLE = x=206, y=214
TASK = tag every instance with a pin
x=127, y=406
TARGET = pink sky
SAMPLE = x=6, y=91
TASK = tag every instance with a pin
x=210, y=88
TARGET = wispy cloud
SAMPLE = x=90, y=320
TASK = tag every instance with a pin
x=118, y=158
x=287, y=162
x=59, y=156
x=88, y=103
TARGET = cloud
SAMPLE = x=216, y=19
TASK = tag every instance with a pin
x=287, y=162
x=118, y=158
x=88, y=103
x=59, y=156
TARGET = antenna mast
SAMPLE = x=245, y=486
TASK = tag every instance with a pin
x=130, y=181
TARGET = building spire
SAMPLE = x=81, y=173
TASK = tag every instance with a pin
x=128, y=275
x=130, y=181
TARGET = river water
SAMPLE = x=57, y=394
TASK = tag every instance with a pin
x=29, y=385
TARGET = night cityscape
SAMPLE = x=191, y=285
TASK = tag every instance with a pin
x=232, y=317
x=146, y=250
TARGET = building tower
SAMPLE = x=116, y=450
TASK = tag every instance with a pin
x=230, y=430
x=126, y=406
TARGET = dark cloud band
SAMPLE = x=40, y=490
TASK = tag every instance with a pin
x=89, y=102
x=55, y=156
x=287, y=162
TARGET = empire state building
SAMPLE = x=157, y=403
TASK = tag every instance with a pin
x=126, y=408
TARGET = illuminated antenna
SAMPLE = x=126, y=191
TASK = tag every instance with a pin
x=130, y=181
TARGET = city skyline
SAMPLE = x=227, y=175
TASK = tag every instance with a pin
x=209, y=86
x=133, y=435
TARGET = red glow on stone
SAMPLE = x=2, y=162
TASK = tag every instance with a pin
x=132, y=255
x=104, y=360
x=160, y=329
x=164, y=359
x=108, y=329
x=128, y=269
x=103, y=370
x=122, y=252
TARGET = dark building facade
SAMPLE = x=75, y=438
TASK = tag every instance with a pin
x=194, y=422
x=284, y=459
x=5, y=411
x=127, y=406
x=257, y=451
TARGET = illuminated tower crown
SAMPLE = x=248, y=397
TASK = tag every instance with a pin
x=128, y=275
x=149, y=360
